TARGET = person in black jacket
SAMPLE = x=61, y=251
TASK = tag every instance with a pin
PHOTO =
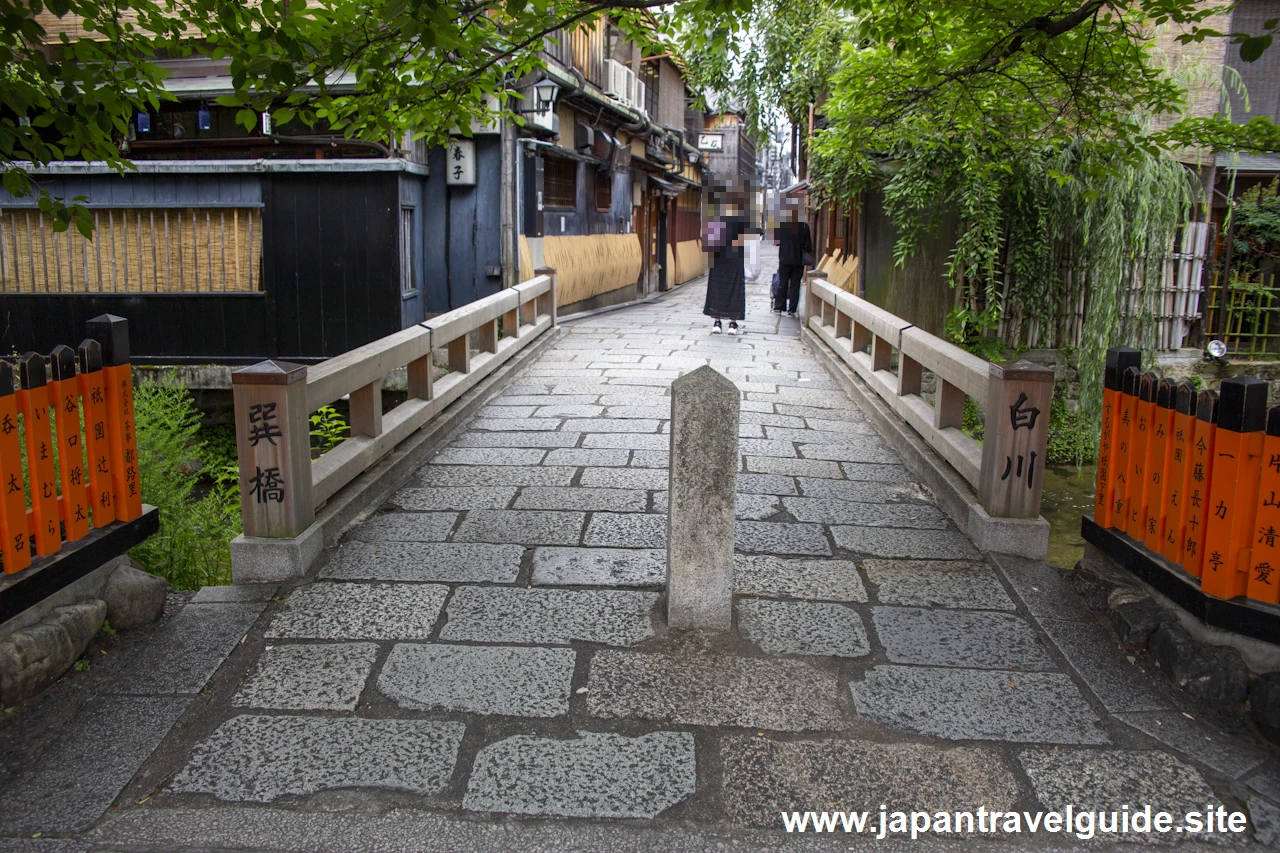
x=795, y=242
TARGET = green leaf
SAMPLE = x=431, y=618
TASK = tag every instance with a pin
x=1252, y=49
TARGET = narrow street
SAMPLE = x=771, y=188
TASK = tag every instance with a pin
x=492, y=643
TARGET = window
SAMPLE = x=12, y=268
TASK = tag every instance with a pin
x=559, y=182
x=649, y=74
x=604, y=191
x=407, y=284
x=134, y=250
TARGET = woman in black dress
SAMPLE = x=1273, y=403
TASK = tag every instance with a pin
x=727, y=283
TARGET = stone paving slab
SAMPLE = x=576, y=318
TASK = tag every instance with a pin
x=497, y=411
x=355, y=611
x=605, y=426
x=525, y=526
x=488, y=456
x=890, y=542
x=549, y=616
x=816, y=488
x=650, y=458
x=866, y=452
x=766, y=484
x=781, y=538
x=764, y=777
x=627, y=441
x=447, y=562
x=453, y=497
x=626, y=530
x=713, y=690
x=794, y=467
x=406, y=527
x=870, y=472
x=544, y=439
x=750, y=507
x=963, y=638
x=560, y=410
x=624, y=478
x=803, y=628
x=829, y=511
x=1108, y=781
x=596, y=775
x=937, y=583
x=471, y=477
x=186, y=652
x=235, y=593
x=508, y=424
x=539, y=400
x=79, y=775
x=766, y=447
x=1094, y=654
x=639, y=412
x=261, y=759
x=768, y=418
x=822, y=580
x=328, y=677
x=599, y=567
x=580, y=498
x=511, y=680
x=1200, y=742
x=971, y=704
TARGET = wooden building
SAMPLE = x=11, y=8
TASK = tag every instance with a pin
x=231, y=246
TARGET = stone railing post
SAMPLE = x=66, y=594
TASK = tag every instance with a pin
x=273, y=447
x=702, y=497
x=812, y=304
x=546, y=303
x=1014, y=440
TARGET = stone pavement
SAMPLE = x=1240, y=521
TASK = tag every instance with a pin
x=483, y=664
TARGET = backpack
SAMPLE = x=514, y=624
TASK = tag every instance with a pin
x=713, y=234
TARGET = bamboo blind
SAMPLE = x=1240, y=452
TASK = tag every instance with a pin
x=589, y=265
x=134, y=250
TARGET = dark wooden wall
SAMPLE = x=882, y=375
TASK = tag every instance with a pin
x=917, y=291
x=331, y=260
x=463, y=233
x=330, y=271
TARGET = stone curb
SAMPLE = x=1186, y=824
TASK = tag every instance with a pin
x=1021, y=537
x=1215, y=673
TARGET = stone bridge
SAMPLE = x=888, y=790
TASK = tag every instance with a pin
x=483, y=664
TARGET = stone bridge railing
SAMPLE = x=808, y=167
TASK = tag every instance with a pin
x=1006, y=468
x=281, y=487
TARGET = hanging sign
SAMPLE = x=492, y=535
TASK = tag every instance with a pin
x=460, y=170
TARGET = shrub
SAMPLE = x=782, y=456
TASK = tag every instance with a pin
x=193, y=547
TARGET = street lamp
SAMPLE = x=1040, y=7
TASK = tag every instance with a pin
x=544, y=96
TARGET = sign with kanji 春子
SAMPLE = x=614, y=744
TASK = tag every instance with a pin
x=460, y=165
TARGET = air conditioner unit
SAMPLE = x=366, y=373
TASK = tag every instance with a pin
x=630, y=99
x=617, y=80
x=583, y=138
x=639, y=101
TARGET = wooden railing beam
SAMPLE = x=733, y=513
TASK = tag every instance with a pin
x=366, y=409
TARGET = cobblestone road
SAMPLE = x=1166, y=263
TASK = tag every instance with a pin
x=491, y=644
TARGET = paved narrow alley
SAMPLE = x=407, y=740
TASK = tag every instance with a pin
x=491, y=643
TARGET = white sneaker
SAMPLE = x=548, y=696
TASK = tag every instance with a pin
x=733, y=328
x=717, y=329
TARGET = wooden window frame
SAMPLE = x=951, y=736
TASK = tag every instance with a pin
x=555, y=202
x=604, y=182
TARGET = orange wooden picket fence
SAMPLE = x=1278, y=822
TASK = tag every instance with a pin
x=85, y=397
x=1193, y=477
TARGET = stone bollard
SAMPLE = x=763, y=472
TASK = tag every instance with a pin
x=702, y=483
